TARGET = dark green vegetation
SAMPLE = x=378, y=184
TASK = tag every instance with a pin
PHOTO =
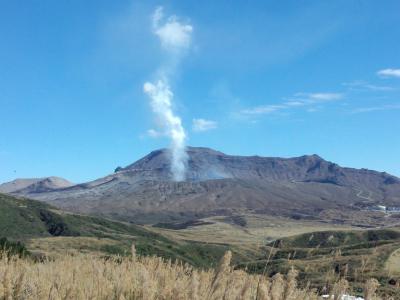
x=334, y=239
x=24, y=220
x=324, y=257
x=12, y=248
x=183, y=225
x=236, y=220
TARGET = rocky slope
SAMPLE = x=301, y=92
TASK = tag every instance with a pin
x=306, y=186
x=34, y=185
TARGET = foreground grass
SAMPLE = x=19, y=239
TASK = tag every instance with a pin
x=90, y=277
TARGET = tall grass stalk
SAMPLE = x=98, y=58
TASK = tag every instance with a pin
x=145, y=278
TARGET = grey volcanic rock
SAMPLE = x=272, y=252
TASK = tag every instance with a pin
x=224, y=184
x=207, y=164
x=203, y=164
x=34, y=185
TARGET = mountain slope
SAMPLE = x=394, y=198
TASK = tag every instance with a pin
x=207, y=164
x=39, y=224
x=34, y=185
x=220, y=184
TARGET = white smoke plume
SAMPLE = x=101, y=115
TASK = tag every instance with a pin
x=175, y=38
x=174, y=35
x=161, y=104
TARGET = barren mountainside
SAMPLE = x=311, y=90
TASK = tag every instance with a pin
x=306, y=186
x=34, y=185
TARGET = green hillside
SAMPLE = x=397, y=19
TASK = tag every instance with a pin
x=325, y=256
x=46, y=230
x=329, y=239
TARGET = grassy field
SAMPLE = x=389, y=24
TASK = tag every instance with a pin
x=90, y=277
x=322, y=253
x=249, y=231
x=393, y=264
x=324, y=257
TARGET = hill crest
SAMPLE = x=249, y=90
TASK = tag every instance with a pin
x=221, y=184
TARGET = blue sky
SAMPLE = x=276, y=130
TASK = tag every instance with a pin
x=273, y=78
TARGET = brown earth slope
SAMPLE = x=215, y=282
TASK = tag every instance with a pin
x=220, y=184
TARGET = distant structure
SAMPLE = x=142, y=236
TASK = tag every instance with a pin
x=385, y=209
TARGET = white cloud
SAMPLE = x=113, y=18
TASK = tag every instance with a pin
x=200, y=125
x=154, y=133
x=320, y=97
x=297, y=101
x=389, y=73
x=326, y=96
x=174, y=35
x=262, y=109
x=376, y=108
x=360, y=85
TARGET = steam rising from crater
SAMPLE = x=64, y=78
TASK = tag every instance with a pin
x=175, y=38
x=161, y=97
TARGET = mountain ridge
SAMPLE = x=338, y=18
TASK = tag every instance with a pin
x=211, y=160
x=27, y=185
x=226, y=184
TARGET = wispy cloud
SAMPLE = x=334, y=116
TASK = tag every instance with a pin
x=312, y=109
x=318, y=97
x=298, y=100
x=262, y=109
x=389, y=73
x=360, y=85
x=200, y=125
x=376, y=108
x=314, y=102
x=154, y=133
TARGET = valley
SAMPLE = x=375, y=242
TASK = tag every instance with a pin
x=243, y=229
x=272, y=213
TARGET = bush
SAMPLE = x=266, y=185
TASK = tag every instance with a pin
x=12, y=248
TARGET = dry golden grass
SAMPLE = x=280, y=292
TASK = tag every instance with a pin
x=52, y=246
x=393, y=263
x=259, y=228
x=90, y=277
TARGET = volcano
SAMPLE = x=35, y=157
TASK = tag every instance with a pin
x=219, y=184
